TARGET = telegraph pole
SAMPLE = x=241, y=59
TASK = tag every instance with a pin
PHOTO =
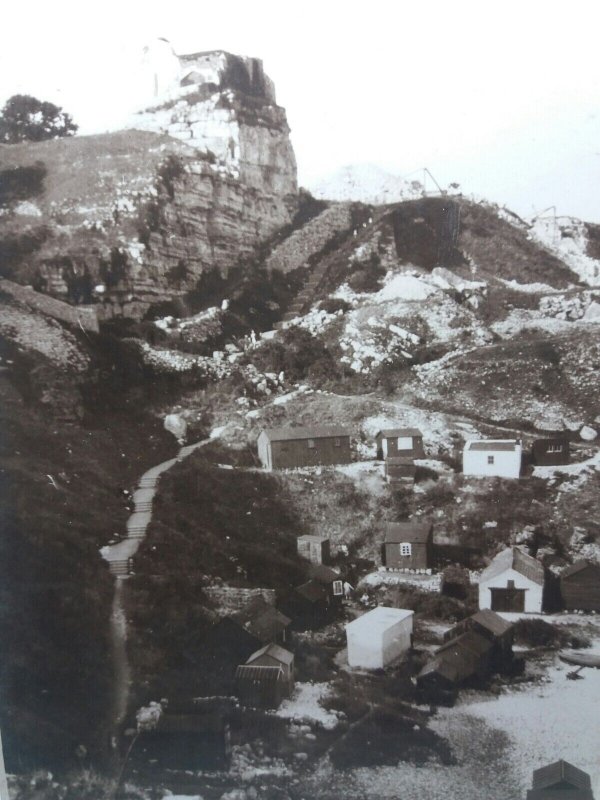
x=3, y=782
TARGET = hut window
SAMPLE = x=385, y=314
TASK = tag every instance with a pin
x=311, y=444
x=490, y=459
x=338, y=443
x=555, y=448
x=405, y=549
x=337, y=588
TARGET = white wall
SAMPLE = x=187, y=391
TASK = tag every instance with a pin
x=533, y=593
x=264, y=451
x=375, y=648
x=507, y=464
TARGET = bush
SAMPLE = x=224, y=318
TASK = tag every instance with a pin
x=21, y=183
x=539, y=633
x=332, y=305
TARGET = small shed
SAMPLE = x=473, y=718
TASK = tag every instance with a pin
x=378, y=637
x=260, y=687
x=316, y=549
x=514, y=581
x=493, y=627
x=289, y=448
x=500, y=458
x=272, y=655
x=400, y=471
x=188, y=741
x=550, y=452
x=560, y=780
x=331, y=579
x=580, y=586
x=408, y=545
x=399, y=442
x=466, y=658
x=263, y=622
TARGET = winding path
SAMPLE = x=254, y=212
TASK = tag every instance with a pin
x=118, y=557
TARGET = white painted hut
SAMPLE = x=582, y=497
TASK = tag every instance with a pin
x=489, y=458
x=379, y=637
x=514, y=581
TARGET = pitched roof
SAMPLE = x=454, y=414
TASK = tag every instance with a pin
x=275, y=651
x=495, y=445
x=266, y=674
x=469, y=641
x=560, y=772
x=578, y=566
x=401, y=432
x=492, y=622
x=413, y=531
x=309, y=432
x=312, y=590
x=513, y=558
x=261, y=620
x=323, y=574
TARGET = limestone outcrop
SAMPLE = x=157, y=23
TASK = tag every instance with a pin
x=125, y=220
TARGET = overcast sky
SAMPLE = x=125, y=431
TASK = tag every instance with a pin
x=503, y=98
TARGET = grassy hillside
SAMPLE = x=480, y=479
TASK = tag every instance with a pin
x=208, y=523
x=61, y=498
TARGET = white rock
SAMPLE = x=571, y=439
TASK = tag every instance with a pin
x=588, y=434
x=175, y=424
x=592, y=313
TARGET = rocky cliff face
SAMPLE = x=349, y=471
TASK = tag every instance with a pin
x=204, y=176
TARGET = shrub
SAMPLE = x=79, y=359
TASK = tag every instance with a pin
x=539, y=633
x=334, y=304
x=21, y=183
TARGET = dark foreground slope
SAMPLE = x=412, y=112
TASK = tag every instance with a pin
x=64, y=458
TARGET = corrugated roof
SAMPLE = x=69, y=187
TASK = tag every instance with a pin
x=310, y=432
x=560, y=772
x=513, y=558
x=578, y=566
x=417, y=532
x=492, y=622
x=401, y=432
x=509, y=445
x=275, y=651
x=266, y=674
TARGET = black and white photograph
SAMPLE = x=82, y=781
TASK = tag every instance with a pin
x=299, y=400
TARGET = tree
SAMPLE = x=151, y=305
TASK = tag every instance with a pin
x=27, y=119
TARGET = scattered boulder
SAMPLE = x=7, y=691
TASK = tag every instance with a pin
x=588, y=434
x=176, y=424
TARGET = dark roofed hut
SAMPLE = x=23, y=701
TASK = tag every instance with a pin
x=408, y=545
x=580, y=586
x=399, y=443
x=465, y=659
x=293, y=447
x=560, y=781
x=266, y=678
x=550, y=452
x=493, y=627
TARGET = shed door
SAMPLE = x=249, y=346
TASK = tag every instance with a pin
x=508, y=599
